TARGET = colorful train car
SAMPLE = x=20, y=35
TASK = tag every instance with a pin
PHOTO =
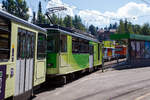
x=121, y=51
x=109, y=50
x=69, y=51
x=22, y=57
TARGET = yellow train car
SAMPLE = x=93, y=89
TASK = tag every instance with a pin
x=22, y=57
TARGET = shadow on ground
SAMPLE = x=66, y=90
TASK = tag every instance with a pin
x=125, y=66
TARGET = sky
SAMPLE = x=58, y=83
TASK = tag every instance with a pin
x=100, y=13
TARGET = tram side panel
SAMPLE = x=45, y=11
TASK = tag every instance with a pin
x=66, y=62
x=70, y=59
x=40, y=59
x=20, y=68
x=11, y=64
x=97, y=53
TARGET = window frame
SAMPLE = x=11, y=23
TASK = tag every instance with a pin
x=8, y=31
x=80, y=44
x=45, y=46
x=65, y=50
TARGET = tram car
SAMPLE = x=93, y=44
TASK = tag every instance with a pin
x=109, y=50
x=22, y=57
x=120, y=51
x=70, y=51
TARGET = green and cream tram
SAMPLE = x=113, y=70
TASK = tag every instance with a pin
x=22, y=57
x=69, y=51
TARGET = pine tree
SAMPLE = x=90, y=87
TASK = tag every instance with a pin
x=68, y=21
x=137, y=29
x=77, y=23
x=34, y=18
x=92, y=29
x=54, y=19
x=9, y=6
x=18, y=8
x=129, y=28
x=145, y=29
x=60, y=22
x=39, y=17
x=121, y=28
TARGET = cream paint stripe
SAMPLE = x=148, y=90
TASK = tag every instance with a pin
x=142, y=97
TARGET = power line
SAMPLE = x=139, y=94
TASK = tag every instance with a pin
x=146, y=2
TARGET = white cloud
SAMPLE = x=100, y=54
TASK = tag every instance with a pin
x=59, y=3
x=129, y=11
x=0, y=6
x=132, y=11
x=30, y=12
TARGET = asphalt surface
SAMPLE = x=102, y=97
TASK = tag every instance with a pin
x=125, y=84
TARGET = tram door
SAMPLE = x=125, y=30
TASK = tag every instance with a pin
x=91, y=57
x=25, y=62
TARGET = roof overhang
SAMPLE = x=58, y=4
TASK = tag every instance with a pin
x=129, y=36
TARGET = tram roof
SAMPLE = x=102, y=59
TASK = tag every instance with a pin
x=71, y=32
x=129, y=36
x=19, y=20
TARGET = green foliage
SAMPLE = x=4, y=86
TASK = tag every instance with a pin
x=18, y=8
x=60, y=22
x=77, y=23
x=121, y=28
x=125, y=27
x=54, y=18
x=128, y=27
x=34, y=18
x=137, y=29
x=145, y=30
x=68, y=21
x=41, y=19
x=92, y=29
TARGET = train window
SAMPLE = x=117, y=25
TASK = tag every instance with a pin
x=4, y=39
x=80, y=45
x=63, y=43
x=84, y=46
x=91, y=49
x=41, y=48
x=21, y=43
x=75, y=45
x=52, y=43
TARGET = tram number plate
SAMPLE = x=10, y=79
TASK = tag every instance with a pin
x=2, y=81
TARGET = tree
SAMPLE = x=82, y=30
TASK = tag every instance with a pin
x=121, y=28
x=115, y=26
x=110, y=26
x=92, y=29
x=126, y=26
x=40, y=15
x=9, y=6
x=41, y=19
x=68, y=21
x=77, y=23
x=34, y=18
x=54, y=19
x=60, y=22
x=18, y=8
x=129, y=28
x=145, y=29
x=137, y=29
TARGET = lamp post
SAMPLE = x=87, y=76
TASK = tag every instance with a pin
x=102, y=56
